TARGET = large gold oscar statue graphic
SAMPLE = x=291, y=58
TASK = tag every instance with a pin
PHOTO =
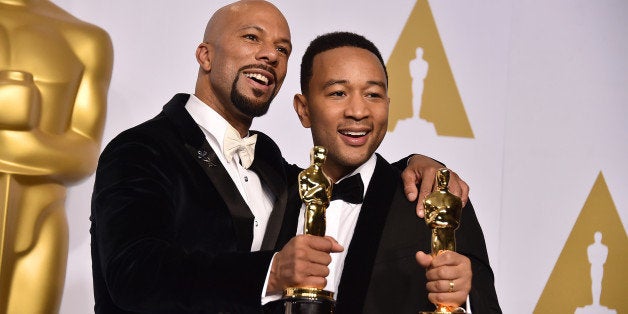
x=315, y=191
x=54, y=76
x=442, y=215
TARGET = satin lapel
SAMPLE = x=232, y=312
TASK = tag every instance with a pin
x=356, y=275
x=269, y=168
x=239, y=210
x=200, y=150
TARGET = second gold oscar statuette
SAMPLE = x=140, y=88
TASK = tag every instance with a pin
x=442, y=215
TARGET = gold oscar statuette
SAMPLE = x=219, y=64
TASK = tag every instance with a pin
x=315, y=191
x=54, y=76
x=442, y=215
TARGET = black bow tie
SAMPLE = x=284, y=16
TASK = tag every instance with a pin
x=350, y=190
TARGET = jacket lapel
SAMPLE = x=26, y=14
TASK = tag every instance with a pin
x=239, y=210
x=269, y=167
x=356, y=275
x=205, y=156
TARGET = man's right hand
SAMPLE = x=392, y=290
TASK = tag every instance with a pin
x=302, y=262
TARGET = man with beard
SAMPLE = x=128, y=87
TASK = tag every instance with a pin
x=187, y=206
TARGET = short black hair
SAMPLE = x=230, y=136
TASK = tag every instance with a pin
x=331, y=41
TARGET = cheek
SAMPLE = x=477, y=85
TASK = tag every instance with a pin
x=382, y=124
x=282, y=71
x=322, y=136
x=381, y=117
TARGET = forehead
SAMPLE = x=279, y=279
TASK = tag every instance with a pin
x=259, y=15
x=347, y=63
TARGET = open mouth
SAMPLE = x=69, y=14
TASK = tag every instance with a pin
x=354, y=134
x=355, y=137
x=259, y=78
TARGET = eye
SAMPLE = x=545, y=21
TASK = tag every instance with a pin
x=250, y=37
x=374, y=95
x=337, y=93
x=283, y=50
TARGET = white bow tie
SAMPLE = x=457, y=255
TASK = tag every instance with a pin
x=244, y=147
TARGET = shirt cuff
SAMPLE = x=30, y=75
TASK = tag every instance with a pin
x=273, y=297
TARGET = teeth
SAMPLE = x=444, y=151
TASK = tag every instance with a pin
x=350, y=133
x=258, y=77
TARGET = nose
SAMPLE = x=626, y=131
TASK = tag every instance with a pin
x=357, y=108
x=268, y=54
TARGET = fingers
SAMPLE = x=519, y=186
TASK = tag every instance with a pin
x=302, y=262
x=458, y=187
x=448, y=265
x=315, y=249
x=449, y=279
x=453, y=299
x=427, y=185
x=410, y=179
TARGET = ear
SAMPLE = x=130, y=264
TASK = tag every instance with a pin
x=302, y=109
x=204, y=56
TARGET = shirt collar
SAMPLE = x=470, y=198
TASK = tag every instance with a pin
x=208, y=119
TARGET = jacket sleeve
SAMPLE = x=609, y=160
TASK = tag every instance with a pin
x=470, y=242
x=402, y=163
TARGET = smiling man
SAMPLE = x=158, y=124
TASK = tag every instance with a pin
x=187, y=207
x=345, y=103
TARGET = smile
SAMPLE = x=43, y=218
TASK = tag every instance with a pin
x=353, y=133
x=258, y=78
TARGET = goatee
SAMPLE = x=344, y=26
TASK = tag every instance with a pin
x=248, y=106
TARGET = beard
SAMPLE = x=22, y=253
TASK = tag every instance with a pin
x=248, y=106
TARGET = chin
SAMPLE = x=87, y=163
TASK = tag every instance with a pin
x=354, y=161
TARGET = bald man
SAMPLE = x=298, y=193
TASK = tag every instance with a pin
x=187, y=206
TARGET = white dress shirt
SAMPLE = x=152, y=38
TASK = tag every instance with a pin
x=256, y=194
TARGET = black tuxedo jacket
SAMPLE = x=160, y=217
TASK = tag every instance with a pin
x=170, y=231
x=381, y=274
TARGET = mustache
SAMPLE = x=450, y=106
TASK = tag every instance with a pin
x=262, y=67
x=352, y=123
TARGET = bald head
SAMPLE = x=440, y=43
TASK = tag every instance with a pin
x=226, y=14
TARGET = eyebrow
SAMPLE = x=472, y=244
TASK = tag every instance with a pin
x=342, y=82
x=378, y=83
x=334, y=82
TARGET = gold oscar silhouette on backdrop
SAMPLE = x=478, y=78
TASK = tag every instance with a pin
x=315, y=191
x=54, y=76
x=442, y=215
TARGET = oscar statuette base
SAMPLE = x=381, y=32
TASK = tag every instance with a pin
x=444, y=310
x=308, y=301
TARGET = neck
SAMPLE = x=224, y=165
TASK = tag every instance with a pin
x=241, y=126
x=239, y=122
x=335, y=173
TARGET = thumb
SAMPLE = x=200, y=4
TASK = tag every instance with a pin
x=335, y=246
x=423, y=259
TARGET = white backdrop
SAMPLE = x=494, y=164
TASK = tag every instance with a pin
x=544, y=86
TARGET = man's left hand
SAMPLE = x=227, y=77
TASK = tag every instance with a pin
x=422, y=169
x=448, y=277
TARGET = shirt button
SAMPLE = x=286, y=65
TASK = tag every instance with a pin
x=256, y=223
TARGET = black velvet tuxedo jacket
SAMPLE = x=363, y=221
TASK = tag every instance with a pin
x=170, y=231
x=381, y=274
